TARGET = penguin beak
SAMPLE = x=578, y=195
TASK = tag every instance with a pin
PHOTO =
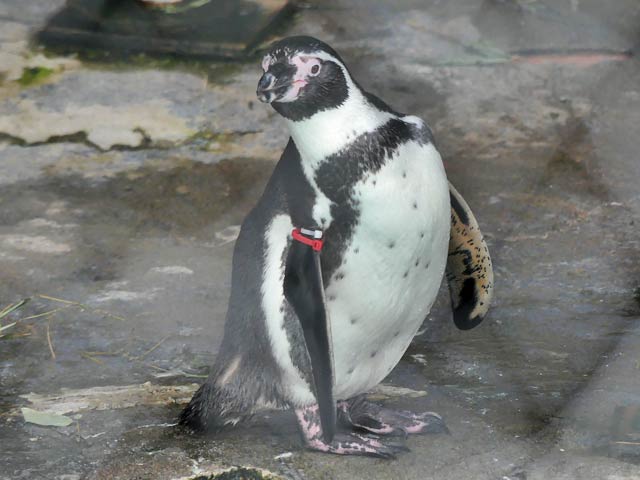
x=275, y=82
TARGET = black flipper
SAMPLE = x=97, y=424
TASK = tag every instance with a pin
x=304, y=290
x=469, y=270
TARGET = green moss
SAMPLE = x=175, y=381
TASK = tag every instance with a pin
x=33, y=75
x=237, y=474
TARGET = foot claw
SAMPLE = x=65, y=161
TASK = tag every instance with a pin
x=382, y=421
x=354, y=444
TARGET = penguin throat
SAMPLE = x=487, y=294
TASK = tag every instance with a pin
x=331, y=131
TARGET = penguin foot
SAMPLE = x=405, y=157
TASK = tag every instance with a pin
x=366, y=415
x=343, y=443
x=354, y=444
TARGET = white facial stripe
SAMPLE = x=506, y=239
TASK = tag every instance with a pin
x=267, y=61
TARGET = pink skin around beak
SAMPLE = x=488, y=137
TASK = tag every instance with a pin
x=304, y=70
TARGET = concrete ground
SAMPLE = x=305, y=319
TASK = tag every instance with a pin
x=122, y=187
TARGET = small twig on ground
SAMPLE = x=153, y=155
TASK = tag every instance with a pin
x=8, y=325
x=152, y=348
x=43, y=314
x=7, y=310
x=10, y=308
x=30, y=317
x=55, y=299
x=103, y=354
x=53, y=354
x=93, y=359
x=82, y=306
x=109, y=314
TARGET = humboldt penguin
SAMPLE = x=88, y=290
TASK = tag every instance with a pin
x=337, y=266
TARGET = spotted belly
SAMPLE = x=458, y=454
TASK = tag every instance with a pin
x=390, y=271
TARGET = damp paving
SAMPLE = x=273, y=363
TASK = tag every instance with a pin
x=125, y=253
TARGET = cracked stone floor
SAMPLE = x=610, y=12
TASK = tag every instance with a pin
x=122, y=187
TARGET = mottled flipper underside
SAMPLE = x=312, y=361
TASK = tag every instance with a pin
x=469, y=271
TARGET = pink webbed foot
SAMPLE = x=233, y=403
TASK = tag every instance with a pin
x=360, y=413
x=342, y=443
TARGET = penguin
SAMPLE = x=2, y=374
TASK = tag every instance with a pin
x=338, y=264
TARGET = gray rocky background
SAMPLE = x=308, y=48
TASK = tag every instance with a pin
x=122, y=187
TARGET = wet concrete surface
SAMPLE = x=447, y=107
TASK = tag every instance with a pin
x=535, y=106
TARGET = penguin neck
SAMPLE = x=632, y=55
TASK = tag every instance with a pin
x=330, y=131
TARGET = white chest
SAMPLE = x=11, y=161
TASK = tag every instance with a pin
x=391, y=270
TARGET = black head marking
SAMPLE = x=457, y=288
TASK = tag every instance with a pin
x=326, y=85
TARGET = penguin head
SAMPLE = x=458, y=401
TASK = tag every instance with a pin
x=303, y=76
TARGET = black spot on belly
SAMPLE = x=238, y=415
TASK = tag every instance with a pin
x=421, y=234
x=339, y=276
x=338, y=175
x=356, y=250
x=396, y=334
x=353, y=320
x=374, y=353
x=417, y=262
x=331, y=298
x=391, y=244
x=405, y=274
x=415, y=205
x=404, y=174
x=350, y=371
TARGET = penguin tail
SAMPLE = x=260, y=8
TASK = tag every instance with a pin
x=212, y=408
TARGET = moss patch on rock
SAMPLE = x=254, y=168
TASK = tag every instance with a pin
x=33, y=75
x=239, y=473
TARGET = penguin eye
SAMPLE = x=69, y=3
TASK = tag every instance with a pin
x=315, y=69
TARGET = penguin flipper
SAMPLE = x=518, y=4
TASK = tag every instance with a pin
x=469, y=271
x=304, y=290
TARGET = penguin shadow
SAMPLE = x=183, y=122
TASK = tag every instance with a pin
x=532, y=367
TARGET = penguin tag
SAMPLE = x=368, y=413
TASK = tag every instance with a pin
x=302, y=236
